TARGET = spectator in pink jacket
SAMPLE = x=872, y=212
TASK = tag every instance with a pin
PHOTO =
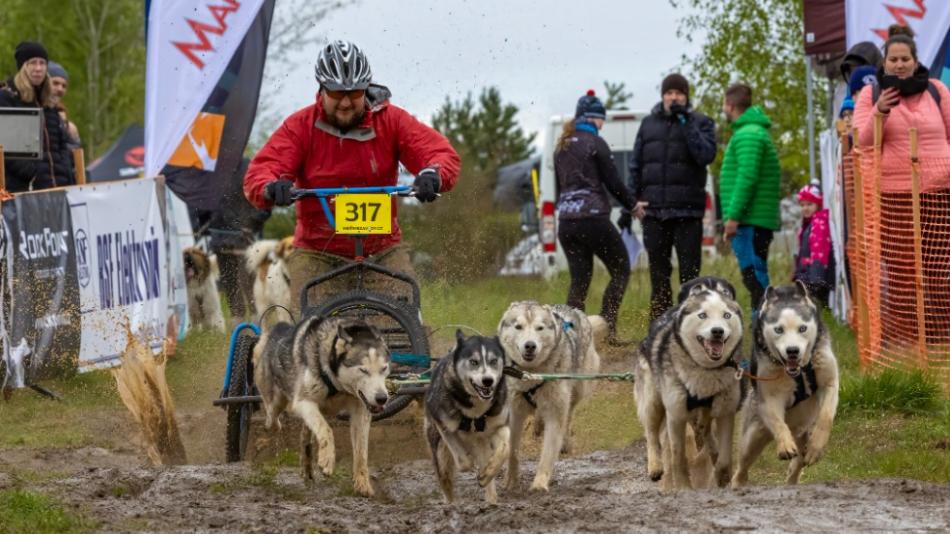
x=815, y=262
x=906, y=98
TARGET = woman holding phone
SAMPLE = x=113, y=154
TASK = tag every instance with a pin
x=908, y=98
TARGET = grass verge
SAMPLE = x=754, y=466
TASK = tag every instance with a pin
x=34, y=513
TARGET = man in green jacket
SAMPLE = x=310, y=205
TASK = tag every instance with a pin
x=749, y=189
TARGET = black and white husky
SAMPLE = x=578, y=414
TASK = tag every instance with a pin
x=686, y=373
x=795, y=397
x=466, y=410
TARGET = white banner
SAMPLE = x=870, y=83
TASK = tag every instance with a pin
x=190, y=43
x=832, y=189
x=868, y=20
x=122, y=267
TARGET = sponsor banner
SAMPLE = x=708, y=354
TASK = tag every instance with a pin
x=43, y=328
x=868, y=20
x=189, y=46
x=121, y=264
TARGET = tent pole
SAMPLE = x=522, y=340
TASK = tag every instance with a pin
x=811, y=119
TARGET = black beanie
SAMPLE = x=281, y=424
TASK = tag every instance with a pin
x=28, y=50
x=675, y=81
x=590, y=107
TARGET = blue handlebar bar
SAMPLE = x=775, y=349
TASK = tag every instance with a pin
x=322, y=193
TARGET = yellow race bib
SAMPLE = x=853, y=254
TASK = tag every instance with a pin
x=363, y=214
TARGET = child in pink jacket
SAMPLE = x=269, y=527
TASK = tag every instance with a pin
x=814, y=264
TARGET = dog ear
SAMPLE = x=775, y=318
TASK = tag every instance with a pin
x=770, y=295
x=802, y=288
x=459, y=337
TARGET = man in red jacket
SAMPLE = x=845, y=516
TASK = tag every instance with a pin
x=351, y=137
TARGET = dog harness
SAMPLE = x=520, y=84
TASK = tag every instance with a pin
x=465, y=425
x=529, y=395
x=801, y=393
x=331, y=389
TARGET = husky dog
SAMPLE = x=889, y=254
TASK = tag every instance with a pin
x=687, y=374
x=266, y=260
x=319, y=367
x=201, y=275
x=547, y=339
x=712, y=283
x=795, y=396
x=467, y=413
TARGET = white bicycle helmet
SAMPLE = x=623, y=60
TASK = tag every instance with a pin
x=342, y=66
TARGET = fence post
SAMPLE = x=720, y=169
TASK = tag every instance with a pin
x=860, y=264
x=79, y=162
x=918, y=251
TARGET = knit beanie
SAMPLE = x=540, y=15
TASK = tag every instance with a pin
x=590, y=107
x=810, y=193
x=675, y=81
x=28, y=50
x=861, y=76
x=846, y=105
x=56, y=70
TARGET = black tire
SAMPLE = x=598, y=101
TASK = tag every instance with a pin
x=404, y=331
x=239, y=415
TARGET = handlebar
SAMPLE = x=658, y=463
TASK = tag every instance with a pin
x=324, y=192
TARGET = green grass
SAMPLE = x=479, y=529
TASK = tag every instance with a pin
x=891, y=390
x=34, y=513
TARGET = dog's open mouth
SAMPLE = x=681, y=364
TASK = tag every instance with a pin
x=793, y=367
x=485, y=392
x=713, y=347
x=371, y=406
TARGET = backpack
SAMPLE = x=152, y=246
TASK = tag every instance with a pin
x=931, y=88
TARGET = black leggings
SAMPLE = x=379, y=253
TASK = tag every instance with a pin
x=582, y=239
x=660, y=237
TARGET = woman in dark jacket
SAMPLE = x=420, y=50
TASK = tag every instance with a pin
x=30, y=88
x=585, y=171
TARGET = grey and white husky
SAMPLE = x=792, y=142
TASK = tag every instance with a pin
x=795, y=397
x=547, y=339
x=466, y=410
x=686, y=373
x=320, y=367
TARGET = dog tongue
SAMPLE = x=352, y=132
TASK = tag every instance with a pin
x=713, y=347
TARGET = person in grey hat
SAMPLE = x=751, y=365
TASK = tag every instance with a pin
x=59, y=81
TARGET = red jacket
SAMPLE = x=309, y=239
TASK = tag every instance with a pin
x=368, y=155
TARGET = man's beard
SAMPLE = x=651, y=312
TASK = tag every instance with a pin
x=347, y=125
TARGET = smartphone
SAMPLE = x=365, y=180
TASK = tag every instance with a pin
x=889, y=80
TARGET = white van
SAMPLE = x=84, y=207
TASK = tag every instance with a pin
x=620, y=132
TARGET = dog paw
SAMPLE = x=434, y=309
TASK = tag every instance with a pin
x=363, y=487
x=512, y=483
x=656, y=474
x=538, y=487
x=787, y=450
x=326, y=463
x=813, y=454
x=723, y=475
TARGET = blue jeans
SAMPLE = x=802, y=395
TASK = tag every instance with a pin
x=751, y=247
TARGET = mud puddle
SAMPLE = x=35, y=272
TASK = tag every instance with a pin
x=602, y=491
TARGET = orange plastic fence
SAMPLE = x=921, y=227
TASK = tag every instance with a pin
x=898, y=248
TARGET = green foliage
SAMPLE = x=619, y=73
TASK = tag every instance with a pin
x=757, y=42
x=486, y=133
x=101, y=44
x=34, y=513
x=906, y=392
x=617, y=95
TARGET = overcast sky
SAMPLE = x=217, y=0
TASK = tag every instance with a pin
x=541, y=54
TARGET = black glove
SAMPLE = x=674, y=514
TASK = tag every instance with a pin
x=680, y=113
x=427, y=185
x=625, y=221
x=278, y=192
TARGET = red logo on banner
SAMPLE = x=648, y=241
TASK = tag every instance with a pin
x=898, y=14
x=204, y=45
x=135, y=156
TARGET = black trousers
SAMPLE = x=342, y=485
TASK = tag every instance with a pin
x=660, y=237
x=237, y=284
x=583, y=239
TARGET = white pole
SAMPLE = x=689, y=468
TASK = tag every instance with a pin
x=811, y=120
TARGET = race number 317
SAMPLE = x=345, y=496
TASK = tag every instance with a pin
x=363, y=214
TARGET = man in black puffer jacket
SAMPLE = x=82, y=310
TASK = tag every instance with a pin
x=668, y=178
x=30, y=88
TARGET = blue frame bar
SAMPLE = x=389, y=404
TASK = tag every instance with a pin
x=323, y=192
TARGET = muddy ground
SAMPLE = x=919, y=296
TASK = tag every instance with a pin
x=601, y=491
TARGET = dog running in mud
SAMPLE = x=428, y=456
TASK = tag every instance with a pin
x=539, y=338
x=466, y=414
x=318, y=368
x=686, y=374
x=796, y=396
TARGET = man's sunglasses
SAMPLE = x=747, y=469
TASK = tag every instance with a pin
x=355, y=94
